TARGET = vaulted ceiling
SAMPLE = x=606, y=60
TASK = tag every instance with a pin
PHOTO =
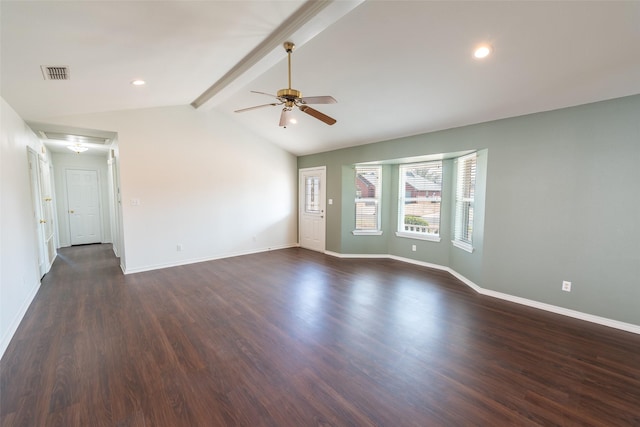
x=396, y=68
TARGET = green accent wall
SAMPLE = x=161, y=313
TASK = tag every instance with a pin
x=557, y=199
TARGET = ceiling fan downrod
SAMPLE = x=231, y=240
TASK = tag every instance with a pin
x=288, y=47
x=290, y=94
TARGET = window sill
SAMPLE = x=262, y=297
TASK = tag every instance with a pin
x=428, y=237
x=367, y=232
x=464, y=246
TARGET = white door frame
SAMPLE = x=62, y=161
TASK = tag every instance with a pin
x=114, y=204
x=312, y=224
x=70, y=209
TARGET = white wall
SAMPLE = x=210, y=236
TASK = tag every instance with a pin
x=201, y=182
x=85, y=161
x=19, y=278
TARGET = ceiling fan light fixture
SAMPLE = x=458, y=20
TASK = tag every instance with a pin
x=482, y=51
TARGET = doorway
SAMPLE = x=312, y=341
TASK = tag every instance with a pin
x=42, y=196
x=312, y=206
x=83, y=198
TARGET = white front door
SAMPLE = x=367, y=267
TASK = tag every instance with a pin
x=312, y=218
x=84, y=206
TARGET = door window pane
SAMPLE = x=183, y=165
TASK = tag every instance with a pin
x=312, y=194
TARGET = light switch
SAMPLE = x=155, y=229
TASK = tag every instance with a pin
x=135, y=202
x=330, y=201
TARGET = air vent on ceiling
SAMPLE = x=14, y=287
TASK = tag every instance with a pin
x=74, y=137
x=58, y=72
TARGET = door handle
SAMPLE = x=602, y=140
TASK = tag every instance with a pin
x=71, y=211
x=43, y=221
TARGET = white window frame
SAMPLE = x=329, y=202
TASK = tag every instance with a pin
x=402, y=231
x=465, y=202
x=375, y=200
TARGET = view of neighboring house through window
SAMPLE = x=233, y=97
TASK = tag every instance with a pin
x=368, y=183
x=420, y=197
x=465, y=194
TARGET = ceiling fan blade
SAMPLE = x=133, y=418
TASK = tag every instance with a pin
x=285, y=117
x=318, y=100
x=317, y=114
x=257, y=106
x=264, y=93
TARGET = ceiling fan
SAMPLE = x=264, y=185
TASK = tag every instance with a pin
x=291, y=98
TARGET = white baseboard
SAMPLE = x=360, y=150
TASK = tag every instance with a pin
x=204, y=259
x=370, y=256
x=13, y=327
x=629, y=327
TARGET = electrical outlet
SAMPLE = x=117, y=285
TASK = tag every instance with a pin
x=566, y=286
x=179, y=247
x=413, y=248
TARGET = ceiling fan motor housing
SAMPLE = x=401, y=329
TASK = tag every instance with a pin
x=289, y=94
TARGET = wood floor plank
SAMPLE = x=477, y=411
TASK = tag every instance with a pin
x=297, y=338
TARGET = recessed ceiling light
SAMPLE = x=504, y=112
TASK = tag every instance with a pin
x=138, y=82
x=482, y=51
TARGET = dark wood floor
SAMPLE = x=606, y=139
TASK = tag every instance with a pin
x=296, y=338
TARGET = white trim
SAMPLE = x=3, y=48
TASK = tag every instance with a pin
x=462, y=245
x=628, y=327
x=427, y=237
x=13, y=326
x=365, y=256
x=466, y=281
x=420, y=263
x=367, y=232
x=204, y=259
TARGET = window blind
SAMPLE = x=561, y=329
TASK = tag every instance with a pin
x=465, y=196
x=368, y=184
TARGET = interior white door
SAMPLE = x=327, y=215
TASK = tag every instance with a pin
x=46, y=197
x=312, y=217
x=83, y=196
x=34, y=177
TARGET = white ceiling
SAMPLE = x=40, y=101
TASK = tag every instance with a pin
x=397, y=68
